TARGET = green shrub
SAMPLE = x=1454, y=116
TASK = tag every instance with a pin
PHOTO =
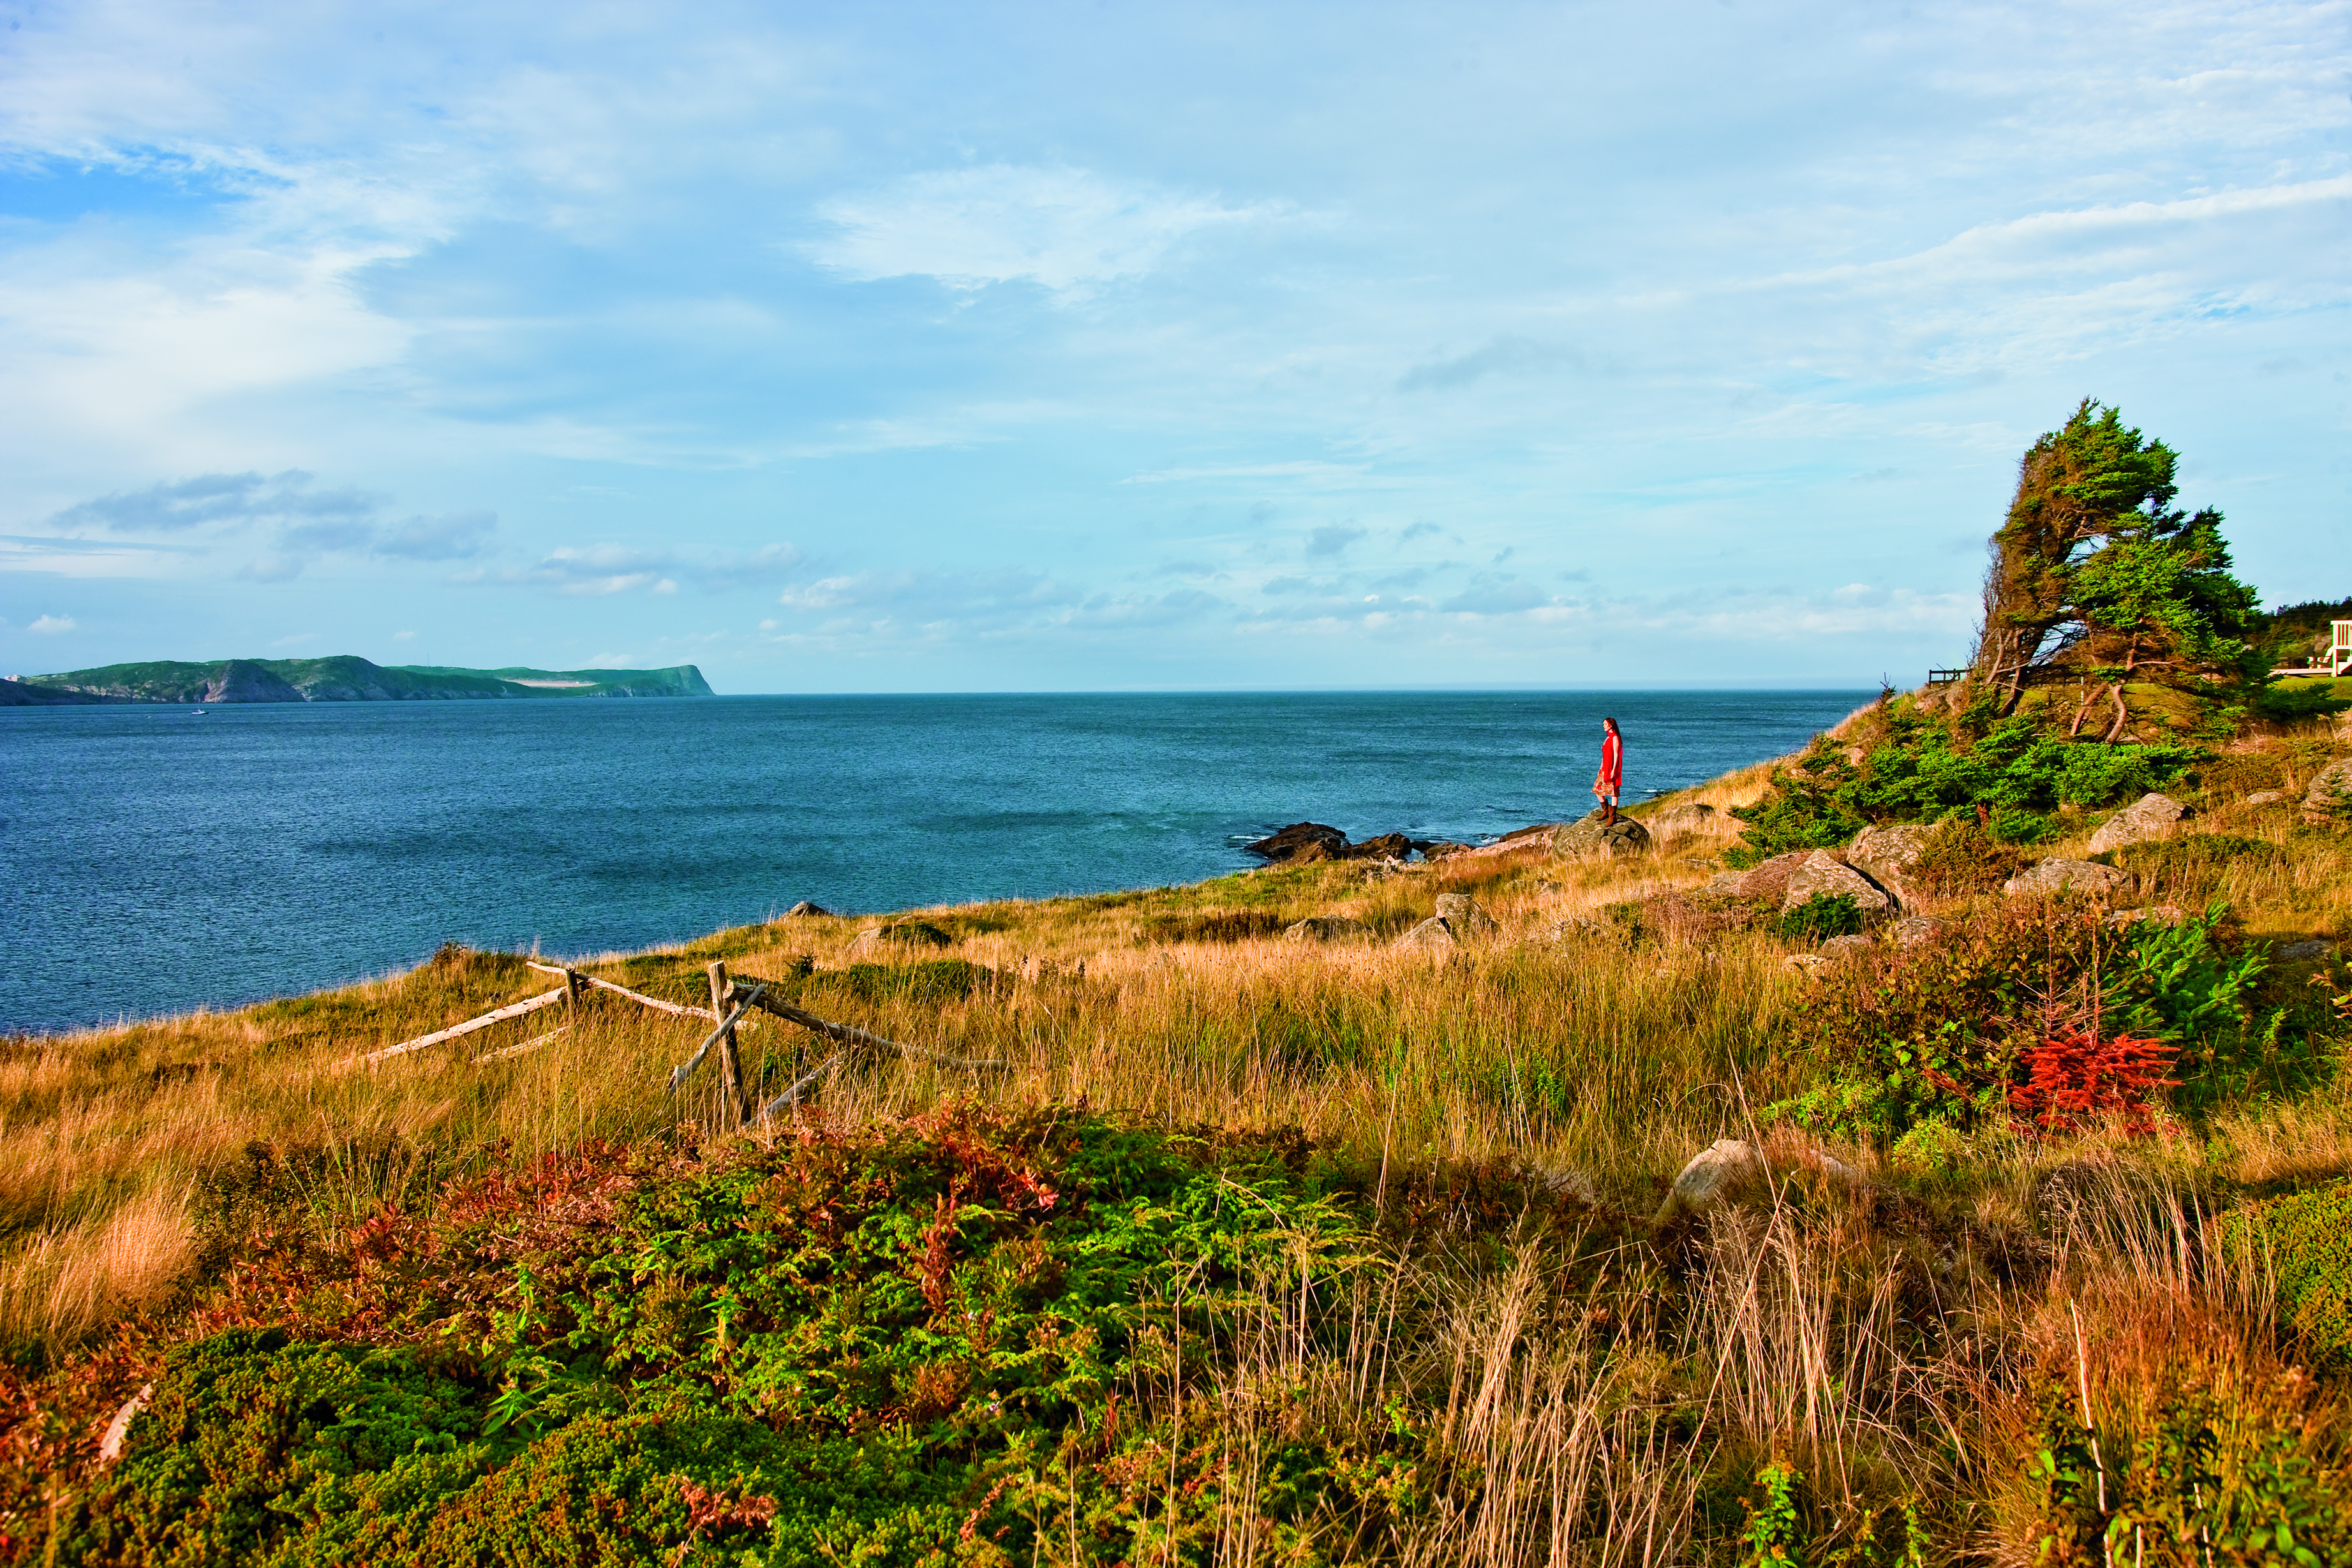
x=2307, y=1240
x=2212, y=1475
x=848, y=1347
x=1923, y=768
x=1823, y=914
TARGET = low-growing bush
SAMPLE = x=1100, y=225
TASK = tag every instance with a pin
x=2306, y=1241
x=2010, y=773
x=1822, y=915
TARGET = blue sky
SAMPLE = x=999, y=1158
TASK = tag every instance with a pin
x=1090, y=346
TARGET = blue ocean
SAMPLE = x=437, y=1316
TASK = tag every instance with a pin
x=156, y=861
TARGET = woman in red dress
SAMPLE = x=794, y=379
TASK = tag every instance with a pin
x=1611, y=780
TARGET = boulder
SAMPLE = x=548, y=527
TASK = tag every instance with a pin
x=1285, y=844
x=1461, y=914
x=1325, y=928
x=1805, y=962
x=902, y=933
x=1388, y=846
x=1769, y=881
x=1722, y=885
x=2304, y=952
x=1725, y=1172
x=2053, y=878
x=2330, y=795
x=1433, y=932
x=1887, y=853
x=2152, y=816
x=1438, y=849
x=804, y=909
x=1590, y=838
x=1838, y=947
x=2267, y=798
x=1823, y=875
x=1914, y=930
x=1691, y=817
x=2162, y=914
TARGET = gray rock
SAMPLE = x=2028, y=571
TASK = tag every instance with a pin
x=1722, y=885
x=1837, y=947
x=1725, y=1172
x=1769, y=881
x=2152, y=816
x=902, y=933
x=1589, y=839
x=1462, y=913
x=1887, y=853
x=804, y=909
x=2267, y=798
x=1807, y=962
x=2304, y=952
x=1822, y=874
x=1433, y=932
x=1325, y=928
x=2330, y=795
x=1914, y=930
x=1691, y=817
x=2053, y=878
x=2162, y=914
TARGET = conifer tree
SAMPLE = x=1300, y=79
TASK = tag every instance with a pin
x=2096, y=573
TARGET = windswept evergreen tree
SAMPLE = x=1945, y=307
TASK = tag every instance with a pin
x=2096, y=573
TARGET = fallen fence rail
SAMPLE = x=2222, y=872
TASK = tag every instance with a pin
x=678, y=1008
x=511, y=1010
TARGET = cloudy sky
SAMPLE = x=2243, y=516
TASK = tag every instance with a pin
x=1084, y=346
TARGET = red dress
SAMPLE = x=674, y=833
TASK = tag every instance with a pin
x=1612, y=777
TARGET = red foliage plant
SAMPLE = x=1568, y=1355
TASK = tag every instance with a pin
x=2073, y=1077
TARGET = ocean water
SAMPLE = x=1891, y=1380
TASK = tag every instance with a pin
x=154, y=861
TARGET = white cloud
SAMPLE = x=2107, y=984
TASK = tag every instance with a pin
x=48, y=624
x=1061, y=227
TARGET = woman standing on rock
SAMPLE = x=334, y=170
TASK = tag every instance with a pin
x=1611, y=780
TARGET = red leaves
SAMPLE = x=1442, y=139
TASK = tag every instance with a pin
x=2073, y=1077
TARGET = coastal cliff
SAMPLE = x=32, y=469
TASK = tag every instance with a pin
x=341, y=678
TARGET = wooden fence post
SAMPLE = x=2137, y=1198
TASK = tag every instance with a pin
x=575, y=987
x=730, y=1062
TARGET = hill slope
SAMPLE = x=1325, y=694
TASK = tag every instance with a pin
x=343, y=677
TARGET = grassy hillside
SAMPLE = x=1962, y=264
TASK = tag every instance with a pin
x=348, y=678
x=1177, y=1241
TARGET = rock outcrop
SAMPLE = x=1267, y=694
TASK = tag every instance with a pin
x=1822, y=874
x=2329, y=799
x=1303, y=843
x=1285, y=844
x=902, y=933
x=1768, y=881
x=1914, y=930
x=2052, y=879
x=2267, y=798
x=2152, y=816
x=804, y=909
x=1725, y=1172
x=1432, y=933
x=1590, y=838
x=1675, y=822
x=1887, y=853
x=1325, y=928
x=1463, y=917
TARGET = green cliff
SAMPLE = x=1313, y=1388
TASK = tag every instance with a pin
x=340, y=678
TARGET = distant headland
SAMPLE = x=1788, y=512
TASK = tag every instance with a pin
x=343, y=678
